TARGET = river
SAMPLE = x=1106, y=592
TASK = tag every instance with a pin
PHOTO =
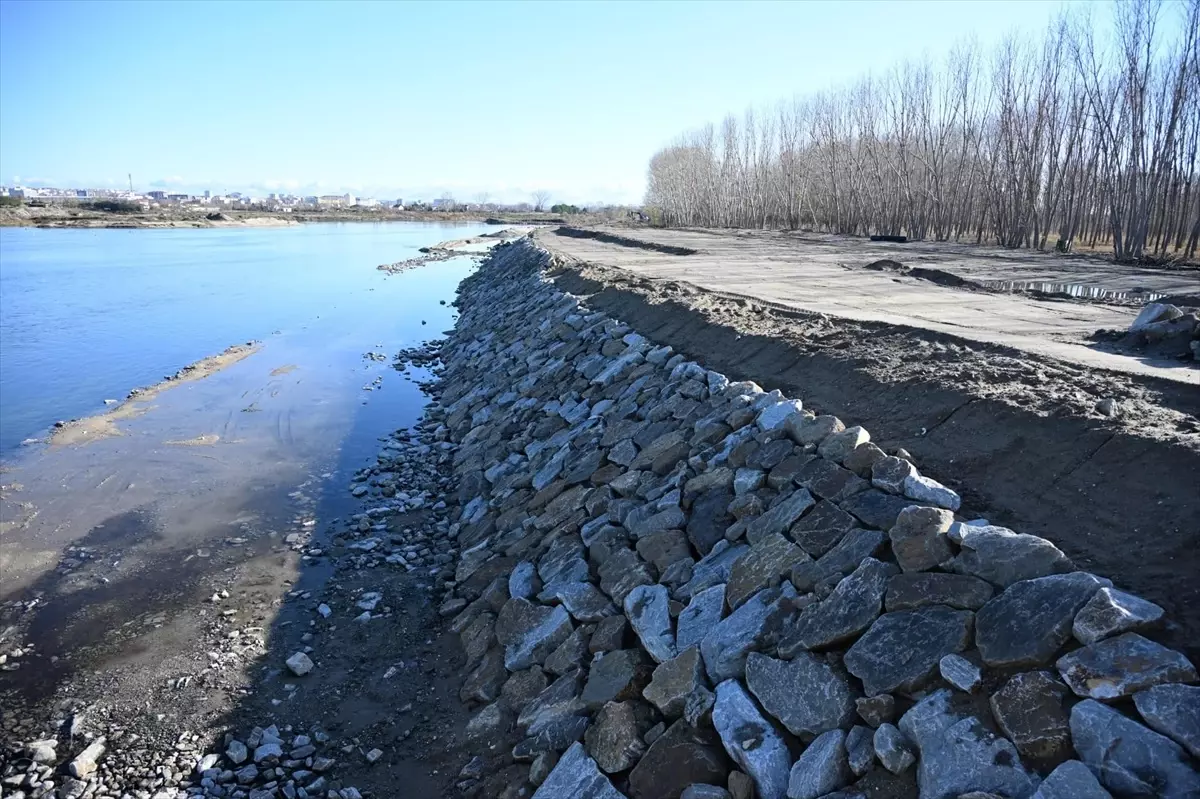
x=126, y=532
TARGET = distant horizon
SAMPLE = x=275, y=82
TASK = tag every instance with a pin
x=310, y=190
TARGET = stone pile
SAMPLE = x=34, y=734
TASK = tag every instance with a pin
x=670, y=584
x=1163, y=324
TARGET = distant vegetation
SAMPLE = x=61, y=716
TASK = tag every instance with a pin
x=113, y=206
x=563, y=208
x=1069, y=139
x=11, y=202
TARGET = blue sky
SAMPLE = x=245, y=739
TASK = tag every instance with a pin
x=413, y=99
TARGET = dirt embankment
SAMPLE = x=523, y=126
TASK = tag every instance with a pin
x=1018, y=436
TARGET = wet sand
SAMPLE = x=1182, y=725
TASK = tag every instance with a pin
x=104, y=425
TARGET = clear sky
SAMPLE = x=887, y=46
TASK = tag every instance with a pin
x=413, y=99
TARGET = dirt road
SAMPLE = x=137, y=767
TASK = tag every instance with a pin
x=830, y=275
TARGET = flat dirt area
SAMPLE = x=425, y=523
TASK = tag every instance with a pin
x=995, y=392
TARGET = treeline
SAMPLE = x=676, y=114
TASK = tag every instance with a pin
x=1061, y=142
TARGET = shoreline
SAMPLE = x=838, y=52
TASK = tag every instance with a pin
x=87, y=429
x=60, y=218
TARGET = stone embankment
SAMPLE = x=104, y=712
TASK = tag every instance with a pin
x=672, y=585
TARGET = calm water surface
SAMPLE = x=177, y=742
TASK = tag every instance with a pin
x=87, y=315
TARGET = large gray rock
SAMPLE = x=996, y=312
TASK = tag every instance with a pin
x=1029, y=709
x=755, y=626
x=819, y=530
x=767, y=562
x=836, y=446
x=699, y=617
x=522, y=582
x=812, y=430
x=1122, y=666
x=890, y=473
x=860, y=749
x=616, y=676
x=710, y=517
x=570, y=653
x=894, y=751
x=852, y=606
x=713, y=568
x=1173, y=710
x=1111, y=612
x=919, y=538
x=901, y=651
x=1071, y=780
x=752, y=741
x=701, y=791
x=646, y=607
x=781, y=517
x=926, y=489
x=1129, y=759
x=806, y=694
x=614, y=739
x=584, y=601
x=1030, y=621
x=960, y=755
x=681, y=756
x=823, y=767
x=777, y=415
x=530, y=632
x=577, y=777
x=1003, y=557
x=558, y=706
x=913, y=590
x=621, y=572
x=876, y=509
x=674, y=681
x=846, y=555
x=960, y=672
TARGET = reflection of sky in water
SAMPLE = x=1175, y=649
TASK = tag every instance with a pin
x=87, y=315
x=1080, y=290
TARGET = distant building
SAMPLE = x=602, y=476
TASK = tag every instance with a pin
x=156, y=195
x=366, y=202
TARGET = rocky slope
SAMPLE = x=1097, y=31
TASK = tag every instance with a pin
x=674, y=585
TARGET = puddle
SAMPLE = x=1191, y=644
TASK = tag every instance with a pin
x=1081, y=291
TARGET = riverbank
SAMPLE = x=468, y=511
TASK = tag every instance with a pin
x=662, y=579
x=61, y=216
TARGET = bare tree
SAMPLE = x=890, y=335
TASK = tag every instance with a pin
x=540, y=198
x=481, y=199
x=1064, y=141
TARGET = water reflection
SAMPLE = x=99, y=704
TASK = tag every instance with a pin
x=1081, y=291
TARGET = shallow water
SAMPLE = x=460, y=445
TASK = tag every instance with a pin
x=206, y=469
x=1083, y=291
x=87, y=315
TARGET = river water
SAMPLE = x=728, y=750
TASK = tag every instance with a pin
x=127, y=532
x=87, y=315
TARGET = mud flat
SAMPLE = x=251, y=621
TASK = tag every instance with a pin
x=103, y=425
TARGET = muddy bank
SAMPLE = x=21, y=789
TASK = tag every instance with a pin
x=104, y=425
x=455, y=248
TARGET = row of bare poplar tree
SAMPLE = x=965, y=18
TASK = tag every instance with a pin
x=1070, y=141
